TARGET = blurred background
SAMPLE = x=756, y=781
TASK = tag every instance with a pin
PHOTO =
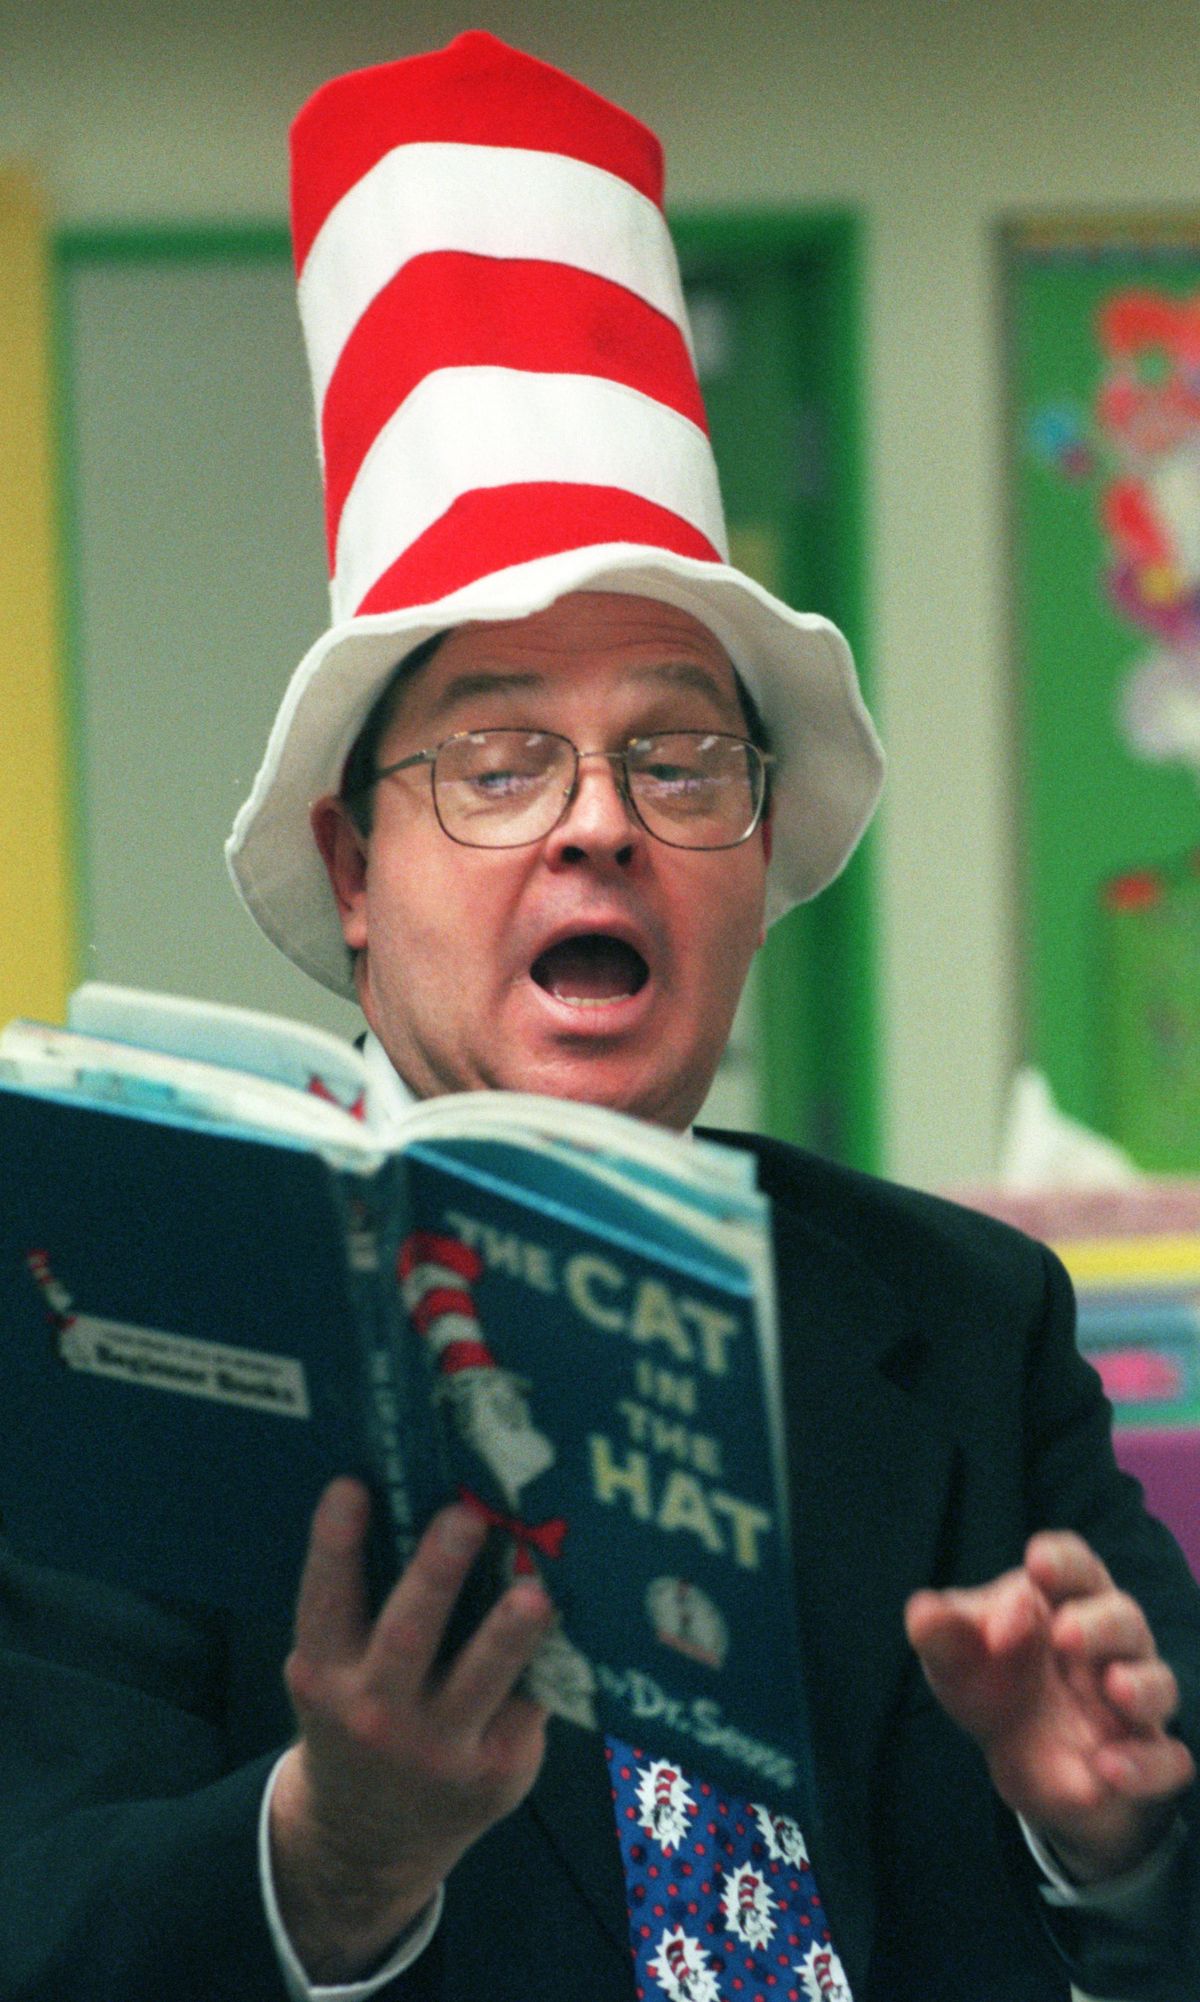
x=927, y=245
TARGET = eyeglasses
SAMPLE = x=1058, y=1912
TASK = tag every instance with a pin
x=509, y=788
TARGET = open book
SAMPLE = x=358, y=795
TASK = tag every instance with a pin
x=230, y=1269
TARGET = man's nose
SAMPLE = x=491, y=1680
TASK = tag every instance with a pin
x=598, y=821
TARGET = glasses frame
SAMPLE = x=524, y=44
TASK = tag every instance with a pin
x=619, y=760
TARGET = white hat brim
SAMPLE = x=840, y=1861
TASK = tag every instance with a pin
x=797, y=666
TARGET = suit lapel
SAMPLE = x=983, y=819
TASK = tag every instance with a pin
x=870, y=1476
x=572, y=1803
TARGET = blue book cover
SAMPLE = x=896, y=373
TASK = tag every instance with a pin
x=200, y=1327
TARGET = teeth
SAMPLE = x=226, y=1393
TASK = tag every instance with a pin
x=589, y=1000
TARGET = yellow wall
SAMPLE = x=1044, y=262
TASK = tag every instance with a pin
x=36, y=903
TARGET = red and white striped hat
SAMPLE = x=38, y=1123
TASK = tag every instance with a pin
x=436, y=1274
x=508, y=411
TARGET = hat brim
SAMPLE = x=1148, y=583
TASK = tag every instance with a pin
x=797, y=666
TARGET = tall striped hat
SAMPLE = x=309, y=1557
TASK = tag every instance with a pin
x=508, y=411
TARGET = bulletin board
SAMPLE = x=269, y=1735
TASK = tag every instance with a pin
x=1102, y=331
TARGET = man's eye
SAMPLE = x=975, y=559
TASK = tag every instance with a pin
x=502, y=782
x=675, y=782
x=673, y=775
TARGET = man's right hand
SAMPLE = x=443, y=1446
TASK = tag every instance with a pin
x=401, y=1764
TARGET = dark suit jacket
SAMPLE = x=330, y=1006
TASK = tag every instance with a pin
x=949, y=1417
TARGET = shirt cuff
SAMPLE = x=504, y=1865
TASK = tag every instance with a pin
x=1132, y=1895
x=411, y=1944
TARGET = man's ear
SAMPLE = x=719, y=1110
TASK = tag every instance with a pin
x=343, y=850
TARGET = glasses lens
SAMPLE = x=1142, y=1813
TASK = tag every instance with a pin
x=501, y=788
x=696, y=789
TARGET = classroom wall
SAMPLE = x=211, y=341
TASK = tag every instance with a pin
x=934, y=118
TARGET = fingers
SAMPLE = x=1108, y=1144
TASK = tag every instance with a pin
x=410, y=1627
x=400, y=1661
x=958, y=1630
x=330, y=1609
x=1150, y=1768
x=1056, y=1674
x=1109, y=1627
x=1142, y=1761
x=980, y=1650
x=394, y=1662
x=943, y=1630
x=1064, y=1595
x=333, y=1628
x=1145, y=1693
x=481, y=1681
x=1064, y=1567
x=1102, y=1629
x=1064, y=1601
x=401, y=1764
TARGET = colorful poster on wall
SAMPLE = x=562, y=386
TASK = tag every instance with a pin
x=1103, y=349
x=1151, y=1010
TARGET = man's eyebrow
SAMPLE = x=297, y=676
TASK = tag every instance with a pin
x=469, y=687
x=693, y=675
x=683, y=674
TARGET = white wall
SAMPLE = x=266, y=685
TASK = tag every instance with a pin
x=934, y=118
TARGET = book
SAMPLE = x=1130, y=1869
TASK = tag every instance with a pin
x=233, y=1265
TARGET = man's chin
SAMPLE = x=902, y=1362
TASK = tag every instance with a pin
x=641, y=1092
x=624, y=1074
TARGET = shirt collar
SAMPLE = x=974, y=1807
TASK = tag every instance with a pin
x=388, y=1097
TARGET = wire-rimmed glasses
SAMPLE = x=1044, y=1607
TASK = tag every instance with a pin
x=509, y=788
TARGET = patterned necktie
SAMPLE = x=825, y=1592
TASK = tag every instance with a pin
x=723, y=1905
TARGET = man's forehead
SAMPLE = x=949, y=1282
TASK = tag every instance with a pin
x=585, y=619
x=640, y=640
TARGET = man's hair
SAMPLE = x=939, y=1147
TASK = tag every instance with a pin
x=358, y=773
x=757, y=732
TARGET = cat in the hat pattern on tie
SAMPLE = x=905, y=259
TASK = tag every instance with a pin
x=664, y=1804
x=490, y=1415
x=723, y=1905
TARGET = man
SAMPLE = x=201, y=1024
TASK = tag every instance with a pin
x=537, y=856
x=1074, y=1729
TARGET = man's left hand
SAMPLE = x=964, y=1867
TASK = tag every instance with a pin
x=1057, y=1676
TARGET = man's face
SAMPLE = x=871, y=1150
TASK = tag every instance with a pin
x=597, y=963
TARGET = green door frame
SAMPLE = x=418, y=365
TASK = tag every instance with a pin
x=818, y=970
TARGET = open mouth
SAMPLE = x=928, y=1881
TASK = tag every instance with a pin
x=593, y=970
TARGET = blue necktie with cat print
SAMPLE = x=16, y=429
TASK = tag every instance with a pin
x=723, y=1904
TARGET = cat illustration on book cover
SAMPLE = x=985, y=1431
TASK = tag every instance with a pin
x=490, y=1414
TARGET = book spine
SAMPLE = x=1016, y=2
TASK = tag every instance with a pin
x=394, y=1417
